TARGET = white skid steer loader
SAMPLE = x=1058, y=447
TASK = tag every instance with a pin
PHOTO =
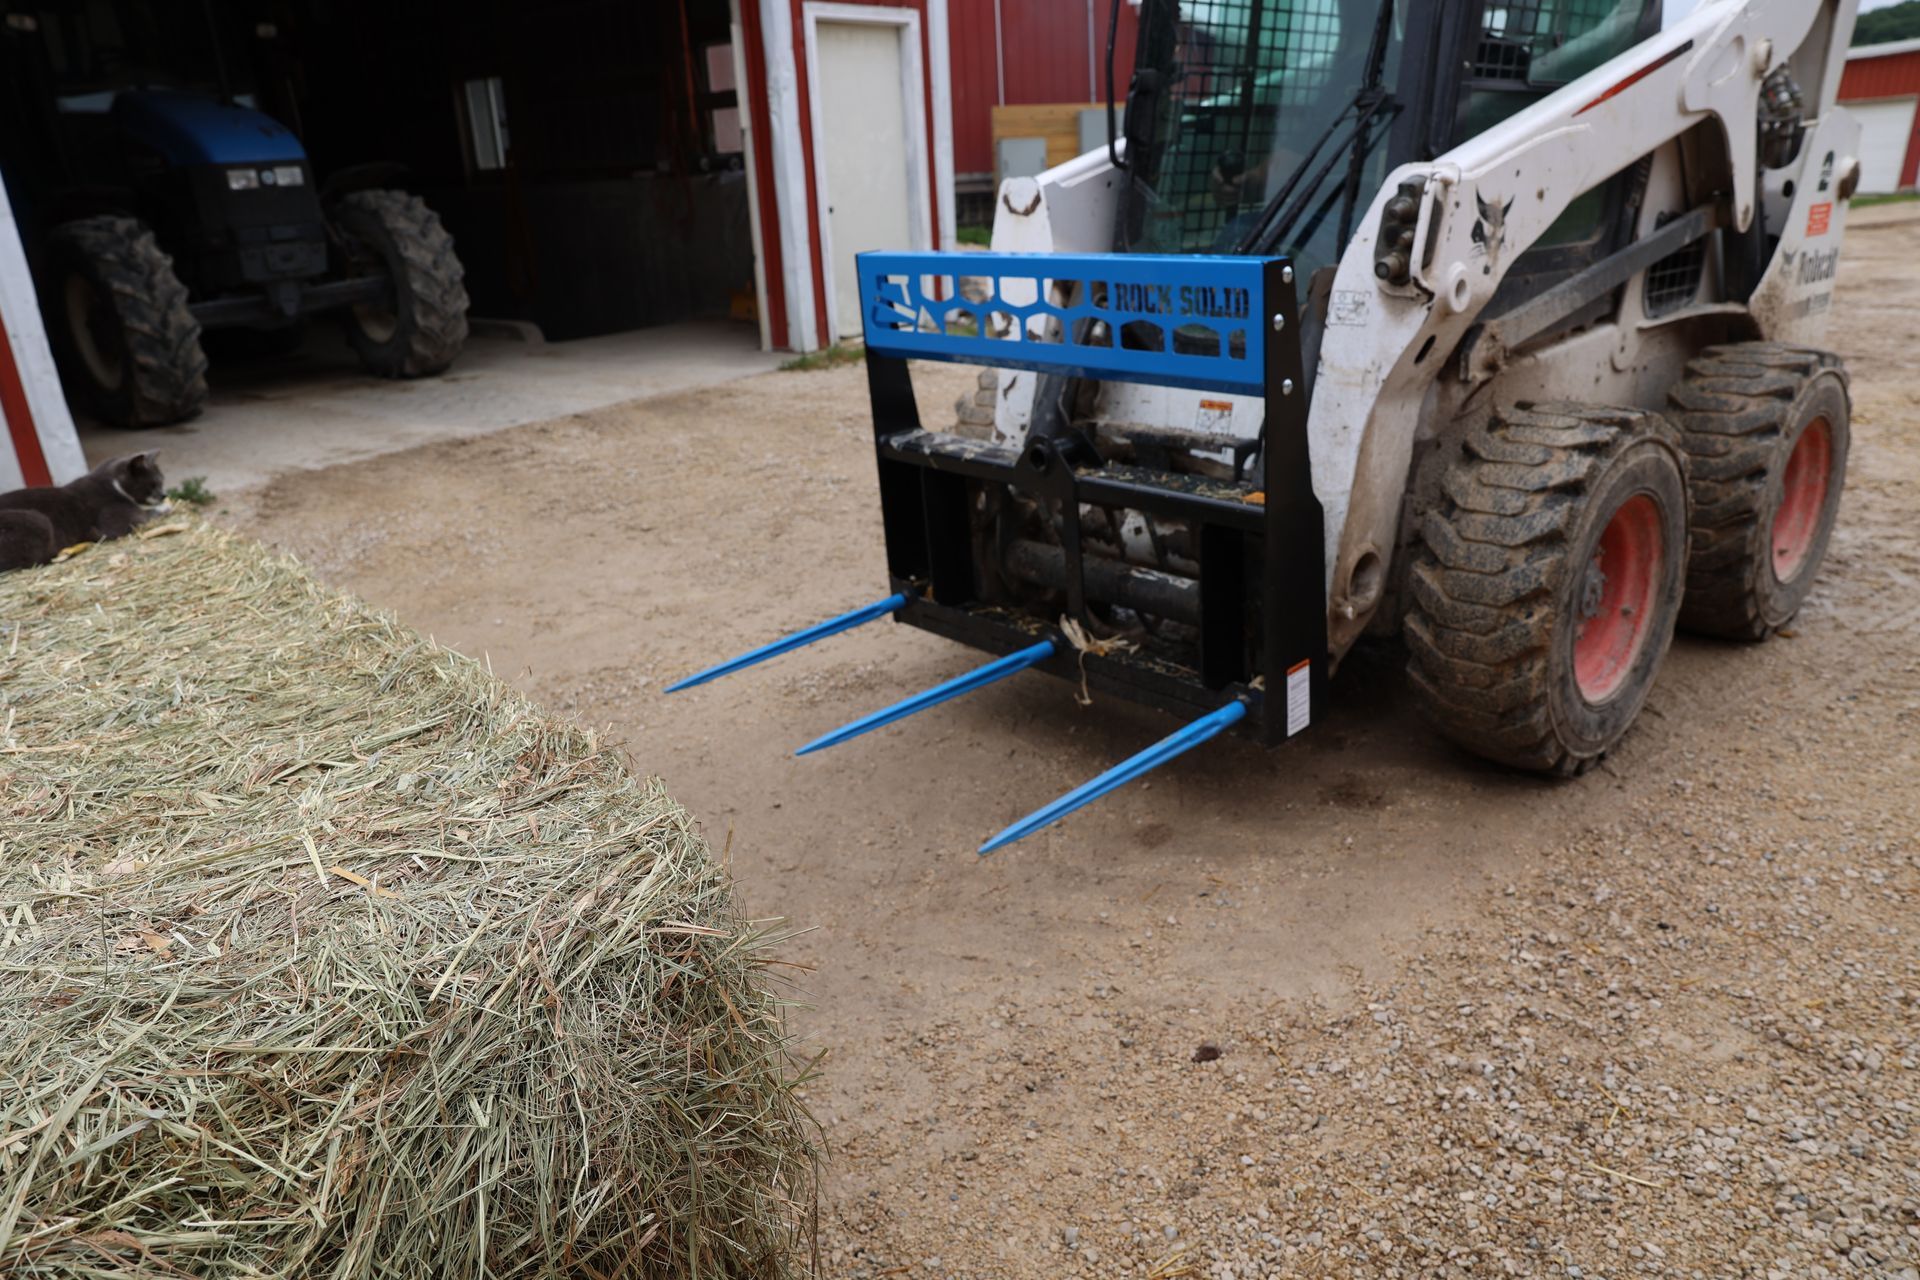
x=1490, y=322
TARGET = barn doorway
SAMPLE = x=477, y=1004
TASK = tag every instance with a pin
x=869, y=133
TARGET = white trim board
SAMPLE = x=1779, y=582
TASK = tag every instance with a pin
x=789, y=174
x=750, y=140
x=1888, y=49
x=913, y=91
x=21, y=328
x=940, y=74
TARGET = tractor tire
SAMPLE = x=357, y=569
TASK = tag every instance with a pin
x=127, y=344
x=420, y=331
x=1766, y=431
x=1548, y=583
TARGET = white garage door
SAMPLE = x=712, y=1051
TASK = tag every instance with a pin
x=1885, y=128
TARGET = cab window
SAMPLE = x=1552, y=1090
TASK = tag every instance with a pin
x=1523, y=50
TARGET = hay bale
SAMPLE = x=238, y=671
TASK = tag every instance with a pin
x=324, y=953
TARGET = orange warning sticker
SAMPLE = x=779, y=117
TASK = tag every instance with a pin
x=1819, y=218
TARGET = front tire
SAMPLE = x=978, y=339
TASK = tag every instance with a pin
x=423, y=326
x=127, y=342
x=1766, y=430
x=1549, y=583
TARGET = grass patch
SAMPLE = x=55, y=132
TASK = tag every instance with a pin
x=193, y=491
x=1892, y=197
x=831, y=358
x=982, y=236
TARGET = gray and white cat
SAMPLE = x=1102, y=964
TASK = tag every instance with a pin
x=107, y=502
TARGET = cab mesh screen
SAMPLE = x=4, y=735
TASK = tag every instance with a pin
x=1244, y=70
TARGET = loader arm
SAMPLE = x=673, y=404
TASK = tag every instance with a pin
x=1482, y=204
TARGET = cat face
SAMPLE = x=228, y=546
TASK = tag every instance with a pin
x=138, y=477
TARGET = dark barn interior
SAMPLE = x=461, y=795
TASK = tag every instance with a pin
x=585, y=154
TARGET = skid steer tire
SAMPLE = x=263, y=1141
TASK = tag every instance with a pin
x=1548, y=582
x=127, y=344
x=1766, y=431
x=423, y=327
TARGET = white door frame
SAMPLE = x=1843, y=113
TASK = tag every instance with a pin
x=913, y=96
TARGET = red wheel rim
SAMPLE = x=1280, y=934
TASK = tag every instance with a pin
x=1615, y=601
x=1804, y=497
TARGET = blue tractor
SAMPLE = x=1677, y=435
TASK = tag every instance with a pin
x=159, y=203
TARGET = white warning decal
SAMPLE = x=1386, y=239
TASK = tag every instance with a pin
x=1214, y=417
x=1299, y=701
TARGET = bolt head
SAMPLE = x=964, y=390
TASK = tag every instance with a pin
x=1279, y=322
x=1286, y=275
x=1286, y=386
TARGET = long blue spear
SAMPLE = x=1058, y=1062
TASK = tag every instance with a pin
x=1174, y=744
x=978, y=678
x=799, y=639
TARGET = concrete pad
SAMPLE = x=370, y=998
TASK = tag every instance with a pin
x=316, y=408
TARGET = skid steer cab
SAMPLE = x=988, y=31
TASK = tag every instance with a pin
x=990, y=544
x=1492, y=325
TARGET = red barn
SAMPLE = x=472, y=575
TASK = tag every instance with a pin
x=1881, y=88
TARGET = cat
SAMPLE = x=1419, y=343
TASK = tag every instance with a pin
x=108, y=502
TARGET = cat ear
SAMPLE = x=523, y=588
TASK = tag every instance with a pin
x=150, y=457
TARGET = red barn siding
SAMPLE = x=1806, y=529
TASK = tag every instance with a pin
x=976, y=83
x=1046, y=45
x=1894, y=76
x=1890, y=77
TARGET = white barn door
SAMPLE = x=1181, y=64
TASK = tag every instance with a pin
x=869, y=142
x=1885, y=128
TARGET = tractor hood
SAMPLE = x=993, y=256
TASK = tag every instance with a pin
x=193, y=128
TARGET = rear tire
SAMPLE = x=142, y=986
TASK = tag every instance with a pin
x=424, y=326
x=1547, y=587
x=128, y=345
x=1766, y=430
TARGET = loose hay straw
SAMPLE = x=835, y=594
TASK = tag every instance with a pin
x=323, y=953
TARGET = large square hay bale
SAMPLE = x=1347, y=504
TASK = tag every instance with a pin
x=323, y=953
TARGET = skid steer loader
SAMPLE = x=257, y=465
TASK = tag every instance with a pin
x=1490, y=322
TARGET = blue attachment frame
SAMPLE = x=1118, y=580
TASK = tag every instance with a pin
x=911, y=306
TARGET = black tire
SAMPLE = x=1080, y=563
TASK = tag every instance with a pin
x=395, y=234
x=1761, y=522
x=1548, y=583
x=127, y=344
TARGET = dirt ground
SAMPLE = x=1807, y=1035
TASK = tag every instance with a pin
x=1664, y=1020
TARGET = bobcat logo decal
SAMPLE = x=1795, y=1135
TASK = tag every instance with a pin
x=1490, y=228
